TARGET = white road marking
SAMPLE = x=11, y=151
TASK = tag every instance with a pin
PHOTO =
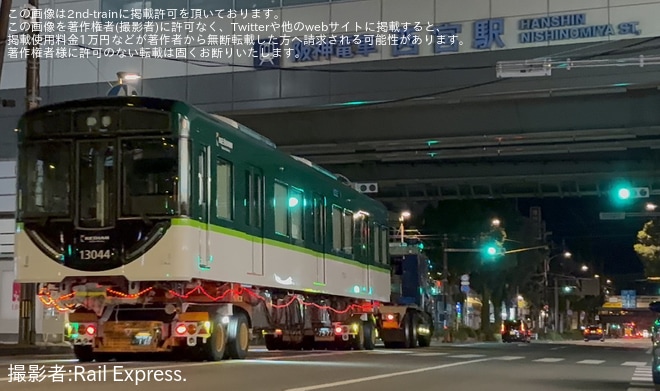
x=468, y=355
x=634, y=364
x=549, y=360
x=643, y=375
x=509, y=358
x=385, y=376
x=591, y=362
x=306, y=355
x=429, y=354
x=377, y=351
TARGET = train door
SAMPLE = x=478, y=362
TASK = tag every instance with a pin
x=254, y=180
x=203, y=202
x=319, y=236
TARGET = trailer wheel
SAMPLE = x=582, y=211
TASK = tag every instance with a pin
x=412, y=324
x=369, y=335
x=238, y=333
x=358, y=342
x=273, y=342
x=216, y=345
x=83, y=353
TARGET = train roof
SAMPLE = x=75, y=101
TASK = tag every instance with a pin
x=239, y=130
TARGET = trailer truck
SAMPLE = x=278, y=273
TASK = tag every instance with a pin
x=160, y=228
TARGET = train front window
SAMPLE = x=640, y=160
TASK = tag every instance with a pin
x=96, y=181
x=46, y=179
x=149, y=177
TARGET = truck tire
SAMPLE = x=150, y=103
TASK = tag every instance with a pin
x=368, y=330
x=83, y=353
x=238, y=337
x=273, y=342
x=359, y=338
x=215, y=346
x=412, y=324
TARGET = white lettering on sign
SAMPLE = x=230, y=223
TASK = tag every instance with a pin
x=94, y=238
x=94, y=254
x=223, y=142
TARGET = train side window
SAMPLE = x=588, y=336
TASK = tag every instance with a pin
x=375, y=243
x=258, y=189
x=317, y=218
x=296, y=208
x=224, y=190
x=249, y=197
x=384, y=243
x=281, y=209
x=336, y=228
x=348, y=232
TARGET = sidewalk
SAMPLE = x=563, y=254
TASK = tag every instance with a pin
x=14, y=349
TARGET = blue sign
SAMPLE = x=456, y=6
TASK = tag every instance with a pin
x=487, y=32
x=343, y=46
x=628, y=299
x=465, y=289
x=569, y=27
x=267, y=53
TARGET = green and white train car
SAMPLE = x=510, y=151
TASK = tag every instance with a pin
x=142, y=210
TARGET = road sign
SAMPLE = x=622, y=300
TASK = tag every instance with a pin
x=465, y=277
x=612, y=215
x=465, y=288
x=465, y=283
x=628, y=299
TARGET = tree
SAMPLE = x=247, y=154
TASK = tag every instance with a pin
x=648, y=248
x=468, y=225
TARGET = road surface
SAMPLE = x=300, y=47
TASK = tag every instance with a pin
x=495, y=367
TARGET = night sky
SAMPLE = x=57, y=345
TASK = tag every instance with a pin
x=607, y=245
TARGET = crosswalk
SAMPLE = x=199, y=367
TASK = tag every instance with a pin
x=638, y=365
x=642, y=380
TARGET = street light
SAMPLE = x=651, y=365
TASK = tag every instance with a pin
x=585, y=268
x=565, y=254
x=651, y=206
x=404, y=215
x=608, y=282
x=495, y=222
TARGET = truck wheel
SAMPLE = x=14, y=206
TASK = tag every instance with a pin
x=369, y=335
x=238, y=335
x=358, y=342
x=273, y=342
x=83, y=353
x=412, y=324
x=216, y=345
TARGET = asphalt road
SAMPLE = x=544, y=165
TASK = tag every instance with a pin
x=494, y=367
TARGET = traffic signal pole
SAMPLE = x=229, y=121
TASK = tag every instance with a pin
x=27, y=318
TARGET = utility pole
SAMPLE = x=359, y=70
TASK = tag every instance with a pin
x=27, y=323
x=5, y=8
x=445, y=287
x=556, y=312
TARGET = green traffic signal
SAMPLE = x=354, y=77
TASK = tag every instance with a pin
x=491, y=250
x=623, y=193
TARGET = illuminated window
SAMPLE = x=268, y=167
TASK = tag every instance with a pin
x=224, y=190
x=336, y=228
x=296, y=208
x=281, y=209
x=348, y=232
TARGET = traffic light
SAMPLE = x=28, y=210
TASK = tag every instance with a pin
x=492, y=250
x=623, y=193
